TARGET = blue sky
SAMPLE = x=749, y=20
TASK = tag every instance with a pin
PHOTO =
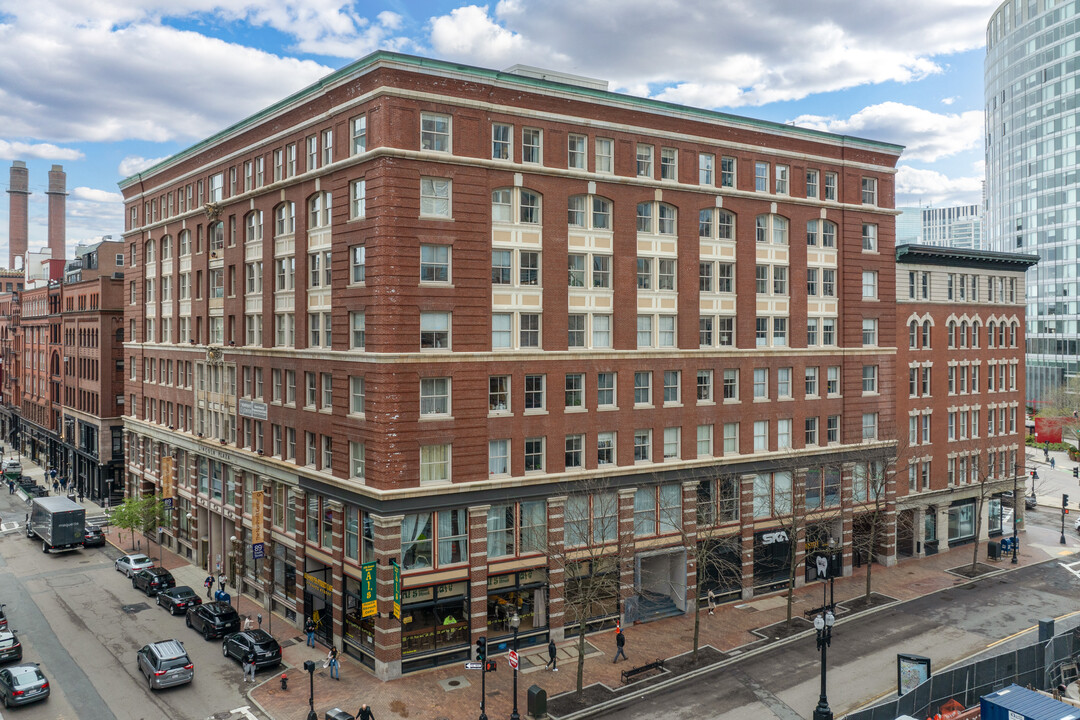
x=116, y=84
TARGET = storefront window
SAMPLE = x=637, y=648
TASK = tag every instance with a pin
x=961, y=522
x=592, y=593
x=416, y=541
x=284, y=571
x=434, y=618
x=524, y=593
x=930, y=526
x=453, y=537
x=994, y=515
x=359, y=632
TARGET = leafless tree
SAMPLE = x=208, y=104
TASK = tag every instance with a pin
x=874, y=470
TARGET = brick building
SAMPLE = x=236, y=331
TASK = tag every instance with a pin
x=450, y=321
x=962, y=312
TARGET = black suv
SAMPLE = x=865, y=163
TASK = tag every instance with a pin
x=266, y=648
x=213, y=619
x=93, y=537
x=178, y=599
x=10, y=647
x=152, y=580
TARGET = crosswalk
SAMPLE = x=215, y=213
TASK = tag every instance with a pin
x=1073, y=567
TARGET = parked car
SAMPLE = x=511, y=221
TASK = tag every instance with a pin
x=22, y=685
x=266, y=648
x=165, y=664
x=3, y=617
x=10, y=647
x=178, y=599
x=213, y=619
x=94, y=537
x=12, y=469
x=131, y=564
x=152, y=580
x=1030, y=501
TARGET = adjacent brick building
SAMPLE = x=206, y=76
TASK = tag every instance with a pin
x=450, y=321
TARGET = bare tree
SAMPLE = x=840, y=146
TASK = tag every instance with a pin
x=874, y=470
x=588, y=557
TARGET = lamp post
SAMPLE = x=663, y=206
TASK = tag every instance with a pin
x=515, y=623
x=235, y=560
x=1016, y=512
x=309, y=665
x=823, y=624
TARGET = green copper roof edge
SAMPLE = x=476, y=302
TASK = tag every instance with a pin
x=498, y=75
x=916, y=250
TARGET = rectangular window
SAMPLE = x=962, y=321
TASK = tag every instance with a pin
x=643, y=388
x=812, y=184
x=727, y=172
x=811, y=434
x=669, y=160
x=704, y=440
x=811, y=381
x=672, y=442
x=359, y=134
x=601, y=331
x=869, y=426
x=706, y=169
x=534, y=392
x=782, y=179
x=434, y=463
x=574, y=394
x=731, y=438
x=605, y=155
x=869, y=237
x=783, y=382
x=356, y=394
x=435, y=263
x=642, y=445
x=501, y=139
x=761, y=383
x=761, y=435
x=869, y=284
x=574, y=451
x=869, y=332
x=435, y=132
x=671, y=386
x=830, y=186
x=869, y=378
x=605, y=448
x=434, y=396
x=534, y=454
x=644, y=160
x=869, y=191
x=605, y=390
x=434, y=331
x=761, y=177
x=434, y=197
x=499, y=393
x=704, y=385
x=575, y=158
x=530, y=145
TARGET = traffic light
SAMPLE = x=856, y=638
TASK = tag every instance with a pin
x=490, y=666
x=1064, y=501
x=481, y=649
x=1076, y=472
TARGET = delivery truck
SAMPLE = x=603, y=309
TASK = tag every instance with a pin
x=58, y=521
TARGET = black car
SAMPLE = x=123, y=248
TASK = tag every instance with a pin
x=93, y=537
x=10, y=647
x=178, y=599
x=213, y=619
x=153, y=580
x=3, y=617
x=22, y=684
x=266, y=648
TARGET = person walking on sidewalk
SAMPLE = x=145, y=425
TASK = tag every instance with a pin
x=208, y=583
x=620, y=643
x=249, y=665
x=1052, y=463
x=221, y=581
x=712, y=601
x=553, y=653
x=332, y=663
x=309, y=628
x=364, y=713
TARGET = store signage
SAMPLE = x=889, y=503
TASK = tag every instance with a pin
x=257, y=517
x=252, y=409
x=447, y=590
x=528, y=577
x=500, y=581
x=397, y=590
x=168, y=485
x=769, y=538
x=321, y=584
x=368, y=604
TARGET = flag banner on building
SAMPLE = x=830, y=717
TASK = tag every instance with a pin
x=257, y=518
x=168, y=484
x=368, y=604
x=397, y=591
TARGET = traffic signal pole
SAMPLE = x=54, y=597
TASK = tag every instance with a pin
x=481, y=655
x=1064, y=512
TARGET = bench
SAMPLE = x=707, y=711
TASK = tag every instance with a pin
x=634, y=673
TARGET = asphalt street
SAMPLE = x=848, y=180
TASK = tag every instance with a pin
x=83, y=622
x=783, y=682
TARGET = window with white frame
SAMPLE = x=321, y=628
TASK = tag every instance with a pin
x=574, y=456
x=869, y=191
x=434, y=397
x=435, y=263
x=434, y=463
x=605, y=448
x=782, y=179
x=643, y=388
x=812, y=184
x=358, y=129
x=716, y=224
x=869, y=426
x=499, y=394
x=575, y=151
x=761, y=383
x=535, y=394
x=502, y=141
x=761, y=177
x=761, y=435
x=643, y=446
x=644, y=160
x=531, y=146
x=669, y=163
x=656, y=218
x=869, y=379
x=357, y=394
x=499, y=457
x=706, y=169
x=869, y=284
x=731, y=438
x=588, y=211
x=727, y=172
x=831, y=185
x=434, y=331
x=869, y=332
x=869, y=237
x=605, y=155
x=435, y=196
x=704, y=441
x=357, y=460
x=357, y=330
x=357, y=264
x=771, y=228
x=435, y=132
x=509, y=205
x=358, y=199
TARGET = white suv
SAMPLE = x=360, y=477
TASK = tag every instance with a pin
x=165, y=664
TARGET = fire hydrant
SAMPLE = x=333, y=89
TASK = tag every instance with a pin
x=284, y=681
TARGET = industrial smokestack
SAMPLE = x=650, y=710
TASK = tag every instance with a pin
x=18, y=215
x=57, y=212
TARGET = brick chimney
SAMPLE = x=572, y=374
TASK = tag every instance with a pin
x=57, y=212
x=18, y=216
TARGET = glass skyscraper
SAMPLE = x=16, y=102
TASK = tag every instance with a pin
x=1032, y=137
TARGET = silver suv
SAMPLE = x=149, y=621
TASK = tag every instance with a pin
x=165, y=664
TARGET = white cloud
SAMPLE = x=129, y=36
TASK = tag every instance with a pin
x=135, y=163
x=926, y=135
x=930, y=187
x=43, y=151
x=94, y=195
x=948, y=100
x=770, y=50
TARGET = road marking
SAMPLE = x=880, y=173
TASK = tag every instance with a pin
x=1073, y=567
x=6, y=527
x=246, y=712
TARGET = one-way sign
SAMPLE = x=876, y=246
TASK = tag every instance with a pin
x=474, y=666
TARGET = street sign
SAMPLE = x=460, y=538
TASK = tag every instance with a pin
x=167, y=502
x=474, y=666
x=513, y=658
x=258, y=551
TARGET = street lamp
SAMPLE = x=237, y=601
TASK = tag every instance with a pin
x=235, y=560
x=823, y=625
x=309, y=665
x=1016, y=512
x=515, y=623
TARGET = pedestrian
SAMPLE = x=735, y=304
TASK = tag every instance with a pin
x=620, y=643
x=63, y=483
x=332, y=663
x=249, y=665
x=712, y=601
x=221, y=581
x=208, y=583
x=309, y=628
x=552, y=655
x=55, y=486
x=248, y=625
x=1052, y=463
x=364, y=713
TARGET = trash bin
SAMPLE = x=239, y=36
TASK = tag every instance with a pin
x=338, y=714
x=993, y=550
x=537, y=701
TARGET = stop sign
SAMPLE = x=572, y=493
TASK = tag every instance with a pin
x=513, y=658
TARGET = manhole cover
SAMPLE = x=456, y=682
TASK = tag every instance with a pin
x=287, y=643
x=137, y=607
x=453, y=683
x=458, y=682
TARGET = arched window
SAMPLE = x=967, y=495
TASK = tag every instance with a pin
x=504, y=200
x=717, y=224
x=991, y=327
x=319, y=211
x=974, y=334
x=913, y=334
x=166, y=248
x=820, y=233
x=771, y=228
x=253, y=226
x=577, y=214
x=952, y=333
x=183, y=243
x=285, y=219
x=926, y=334
x=1014, y=329
x=215, y=236
x=150, y=254
x=656, y=218
x=963, y=334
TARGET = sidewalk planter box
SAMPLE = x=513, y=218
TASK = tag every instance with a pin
x=1017, y=703
x=338, y=714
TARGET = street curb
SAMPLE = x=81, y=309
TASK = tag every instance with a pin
x=616, y=702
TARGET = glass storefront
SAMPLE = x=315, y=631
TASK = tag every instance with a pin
x=592, y=592
x=524, y=593
x=434, y=619
x=962, y=522
x=359, y=632
x=284, y=578
x=994, y=516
